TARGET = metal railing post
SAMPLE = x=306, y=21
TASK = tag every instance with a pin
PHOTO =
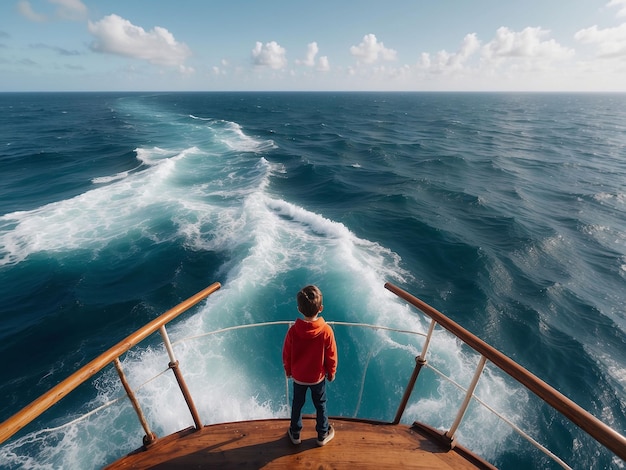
x=428, y=338
x=468, y=396
x=179, y=378
x=150, y=437
x=420, y=361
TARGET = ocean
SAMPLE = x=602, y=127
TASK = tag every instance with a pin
x=505, y=211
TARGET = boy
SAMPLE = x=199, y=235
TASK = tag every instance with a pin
x=309, y=357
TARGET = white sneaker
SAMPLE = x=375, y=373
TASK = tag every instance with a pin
x=327, y=438
x=295, y=438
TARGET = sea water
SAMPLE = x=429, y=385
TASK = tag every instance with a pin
x=505, y=211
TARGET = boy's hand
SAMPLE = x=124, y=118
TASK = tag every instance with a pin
x=330, y=377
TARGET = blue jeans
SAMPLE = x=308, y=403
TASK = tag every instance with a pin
x=318, y=394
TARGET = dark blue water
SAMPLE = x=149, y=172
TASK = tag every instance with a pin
x=505, y=211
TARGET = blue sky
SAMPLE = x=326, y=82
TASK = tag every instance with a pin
x=421, y=45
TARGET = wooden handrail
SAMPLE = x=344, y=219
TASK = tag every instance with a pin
x=601, y=432
x=55, y=394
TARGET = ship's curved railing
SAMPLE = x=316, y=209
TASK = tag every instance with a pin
x=584, y=420
x=112, y=355
x=601, y=432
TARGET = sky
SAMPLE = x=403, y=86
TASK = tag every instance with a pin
x=293, y=45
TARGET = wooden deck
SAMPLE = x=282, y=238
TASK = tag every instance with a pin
x=264, y=444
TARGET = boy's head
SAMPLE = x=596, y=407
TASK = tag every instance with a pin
x=310, y=301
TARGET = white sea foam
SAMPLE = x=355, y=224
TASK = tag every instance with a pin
x=236, y=139
x=153, y=156
x=109, y=179
x=232, y=136
x=93, y=219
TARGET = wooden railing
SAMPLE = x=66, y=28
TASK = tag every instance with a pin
x=54, y=395
x=582, y=418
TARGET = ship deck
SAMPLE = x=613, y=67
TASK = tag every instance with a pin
x=264, y=444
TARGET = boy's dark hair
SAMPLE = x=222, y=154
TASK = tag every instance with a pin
x=309, y=301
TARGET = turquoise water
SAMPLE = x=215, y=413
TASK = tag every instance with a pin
x=507, y=212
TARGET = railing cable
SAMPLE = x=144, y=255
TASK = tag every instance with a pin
x=377, y=327
x=358, y=403
x=519, y=431
x=232, y=328
x=101, y=407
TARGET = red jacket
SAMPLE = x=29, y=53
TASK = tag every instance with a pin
x=310, y=351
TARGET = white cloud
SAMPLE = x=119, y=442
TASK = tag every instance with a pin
x=26, y=10
x=70, y=9
x=67, y=10
x=269, y=55
x=115, y=35
x=323, y=65
x=525, y=59
x=469, y=46
x=184, y=70
x=370, y=50
x=622, y=7
x=610, y=42
x=311, y=52
x=449, y=61
x=527, y=43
